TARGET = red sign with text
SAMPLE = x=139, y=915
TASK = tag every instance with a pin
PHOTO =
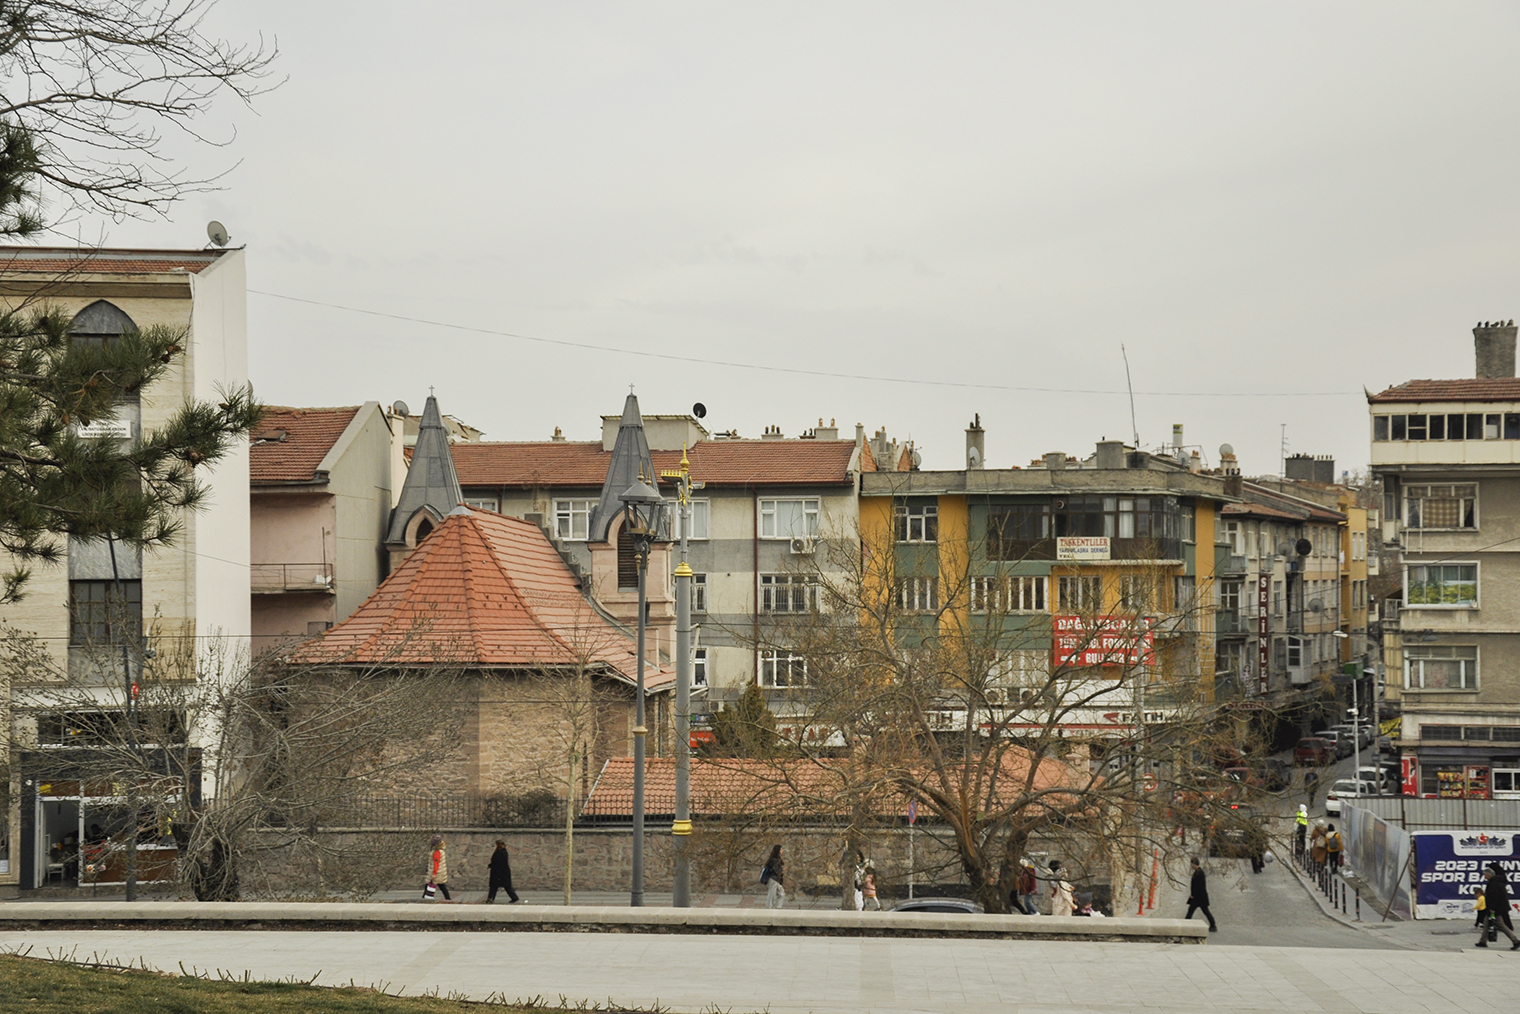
x=1103, y=640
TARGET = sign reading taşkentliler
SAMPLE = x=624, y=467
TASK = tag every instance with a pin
x=1082, y=548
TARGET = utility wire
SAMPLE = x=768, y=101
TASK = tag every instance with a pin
x=796, y=371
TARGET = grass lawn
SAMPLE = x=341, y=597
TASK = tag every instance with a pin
x=35, y=986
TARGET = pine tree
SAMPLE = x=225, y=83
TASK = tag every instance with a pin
x=745, y=730
x=55, y=482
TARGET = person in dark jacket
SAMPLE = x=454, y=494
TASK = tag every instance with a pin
x=501, y=874
x=1198, y=896
x=1496, y=904
x=772, y=875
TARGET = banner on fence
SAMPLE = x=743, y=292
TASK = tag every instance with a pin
x=1451, y=864
x=1379, y=852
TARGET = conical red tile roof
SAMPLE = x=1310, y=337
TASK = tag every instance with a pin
x=482, y=590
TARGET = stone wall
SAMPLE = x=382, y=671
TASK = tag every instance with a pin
x=723, y=861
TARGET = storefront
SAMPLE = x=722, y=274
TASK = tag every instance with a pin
x=1468, y=775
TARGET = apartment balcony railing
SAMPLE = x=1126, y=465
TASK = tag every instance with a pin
x=1231, y=622
x=283, y=578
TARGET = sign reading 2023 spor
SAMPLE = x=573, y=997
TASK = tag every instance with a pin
x=1451, y=865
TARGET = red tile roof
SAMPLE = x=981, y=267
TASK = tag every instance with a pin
x=61, y=260
x=716, y=462
x=482, y=590
x=309, y=433
x=1474, y=389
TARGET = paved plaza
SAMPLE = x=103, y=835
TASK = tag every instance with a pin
x=799, y=974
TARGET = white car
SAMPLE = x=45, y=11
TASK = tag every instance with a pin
x=1376, y=776
x=1347, y=788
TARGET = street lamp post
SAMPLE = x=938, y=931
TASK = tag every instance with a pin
x=1356, y=724
x=680, y=827
x=642, y=508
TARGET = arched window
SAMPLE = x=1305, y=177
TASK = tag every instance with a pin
x=424, y=530
x=99, y=322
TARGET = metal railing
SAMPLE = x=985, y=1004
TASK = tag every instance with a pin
x=531, y=809
x=278, y=578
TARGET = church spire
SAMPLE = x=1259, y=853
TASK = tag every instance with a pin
x=630, y=463
x=432, y=485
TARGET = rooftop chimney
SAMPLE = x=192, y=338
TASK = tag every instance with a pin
x=1110, y=454
x=829, y=432
x=1495, y=343
x=1055, y=461
x=976, y=444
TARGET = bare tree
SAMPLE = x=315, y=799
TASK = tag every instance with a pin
x=1009, y=719
x=230, y=759
x=87, y=86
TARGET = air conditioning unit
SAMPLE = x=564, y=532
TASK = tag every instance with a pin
x=804, y=547
x=997, y=696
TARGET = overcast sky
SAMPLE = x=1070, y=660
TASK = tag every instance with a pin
x=970, y=207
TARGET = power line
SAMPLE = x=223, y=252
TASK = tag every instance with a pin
x=793, y=370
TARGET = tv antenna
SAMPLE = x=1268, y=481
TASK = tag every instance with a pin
x=1129, y=384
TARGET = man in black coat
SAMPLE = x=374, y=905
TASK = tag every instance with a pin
x=501, y=874
x=1496, y=904
x=1198, y=897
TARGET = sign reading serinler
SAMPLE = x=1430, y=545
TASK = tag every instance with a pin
x=1082, y=548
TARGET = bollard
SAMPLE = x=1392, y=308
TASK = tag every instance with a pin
x=1343, y=897
x=1358, y=905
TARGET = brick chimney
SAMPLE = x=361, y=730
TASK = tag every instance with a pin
x=1495, y=345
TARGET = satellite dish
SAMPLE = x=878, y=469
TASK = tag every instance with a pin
x=1303, y=547
x=1225, y=449
x=218, y=232
x=699, y=410
x=973, y=457
x=400, y=409
x=1316, y=605
x=1285, y=548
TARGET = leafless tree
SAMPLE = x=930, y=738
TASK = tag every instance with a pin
x=229, y=758
x=91, y=84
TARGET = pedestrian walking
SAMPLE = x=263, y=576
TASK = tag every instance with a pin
x=1333, y=848
x=1496, y=904
x=1317, y=853
x=870, y=889
x=771, y=875
x=501, y=874
x=1311, y=784
x=1028, y=886
x=860, y=881
x=1061, y=900
x=437, y=870
x=1302, y=820
x=1198, y=896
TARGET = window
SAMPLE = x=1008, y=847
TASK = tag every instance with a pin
x=485, y=503
x=918, y=594
x=1080, y=594
x=1441, y=732
x=788, y=593
x=699, y=593
x=701, y=512
x=782, y=669
x=1013, y=531
x=1491, y=427
x=570, y=517
x=1229, y=596
x=699, y=667
x=1008, y=594
x=627, y=560
x=1380, y=427
x=1136, y=593
x=1295, y=653
x=1277, y=598
x=1230, y=535
x=1441, y=506
x=1453, y=585
x=789, y=519
x=1185, y=601
x=916, y=522
x=1447, y=667
x=102, y=613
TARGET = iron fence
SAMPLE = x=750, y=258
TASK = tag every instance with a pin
x=532, y=809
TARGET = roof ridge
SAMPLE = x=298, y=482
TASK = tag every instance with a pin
x=477, y=516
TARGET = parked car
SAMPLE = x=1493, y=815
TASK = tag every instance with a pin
x=1385, y=745
x=1237, y=834
x=1341, y=745
x=958, y=906
x=1313, y=751
x=1377, y=776
x=1346, y=788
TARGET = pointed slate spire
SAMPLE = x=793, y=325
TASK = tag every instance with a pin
x=431, y=481
x=630, y=459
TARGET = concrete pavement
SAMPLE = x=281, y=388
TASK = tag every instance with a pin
x=828, y=975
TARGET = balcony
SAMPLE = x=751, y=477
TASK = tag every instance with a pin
x=291, y=578
x=1231, y=623
x=1227, y=564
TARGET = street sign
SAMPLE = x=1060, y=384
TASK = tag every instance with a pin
x=912, y=811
